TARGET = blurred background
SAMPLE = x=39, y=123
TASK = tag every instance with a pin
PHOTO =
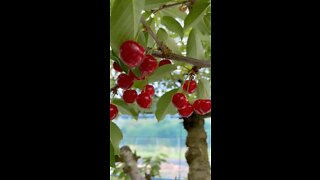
x=150, y=138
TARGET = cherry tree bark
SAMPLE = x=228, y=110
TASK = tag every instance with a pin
x=197, y=153
x=131, y=166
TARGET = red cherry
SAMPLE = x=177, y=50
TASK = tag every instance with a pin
x=202, y=106
x=164, y=61
x=131, y=74
x=144, y=100
x=148, y=65
x=187, y=111
x=206, y=106
x=179, y=100
x=113, y=112
x=197, y=107
x=124, y=81
x=131, y=53
x=149, y=89
x=130, y=95
x=190, y=86
x=116, y=67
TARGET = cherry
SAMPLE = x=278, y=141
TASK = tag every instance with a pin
x=206, y=106
x=131, y=74
x=202, y=106
x=149, y=89
x=197, y=107
x=190, y=86
x=116, y=67
x=113, y=112
x=131, y=53
x=144, y=100
x=179, y=100
x=130, y=95
x=148, y=65
x=124, y=81
x=164, y=61
x=187, y=111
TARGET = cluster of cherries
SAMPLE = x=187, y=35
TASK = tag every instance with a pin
x=185, y=108
x=133, y=55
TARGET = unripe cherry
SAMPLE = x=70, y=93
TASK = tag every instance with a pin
x=131, y=53
x=113, y=111
x=129, y=96
x=144, y=100
x=124, y=81
x=179, y=100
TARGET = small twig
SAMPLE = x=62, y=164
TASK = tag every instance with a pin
x=167, y=53
x=159, y=43
x=167, y=6
x=114, y=90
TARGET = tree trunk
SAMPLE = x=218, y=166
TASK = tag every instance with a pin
x=131, y=166
x=197, y=153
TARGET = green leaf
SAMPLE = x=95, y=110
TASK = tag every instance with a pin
x=136, y=71
x=203, y=28
x=161, y=72
x=173, y=12
x=124, y=21
x=164, y=37
x=196, y=13
x=141, y=39
x=207, y=21
x=164, y=105
x=114, y=57
x=125, y=108
x=115, y=137
x=150, y=40
x=122, y=174
x=173, y=25
x=154, y=4
x=194, y=45
x=203, y=89
x=112, y=157
x=140, y=84
x=146, y=14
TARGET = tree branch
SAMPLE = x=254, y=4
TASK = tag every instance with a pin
x=159, y=43
x=131, y=166
x=167, y=6
x=165, y=52
x=181, y=58
x=207, y=115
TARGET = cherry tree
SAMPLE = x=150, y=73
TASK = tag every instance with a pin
x=160, y=53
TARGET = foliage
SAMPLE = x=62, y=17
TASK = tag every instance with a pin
x=185, y=32
x=150, y=166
